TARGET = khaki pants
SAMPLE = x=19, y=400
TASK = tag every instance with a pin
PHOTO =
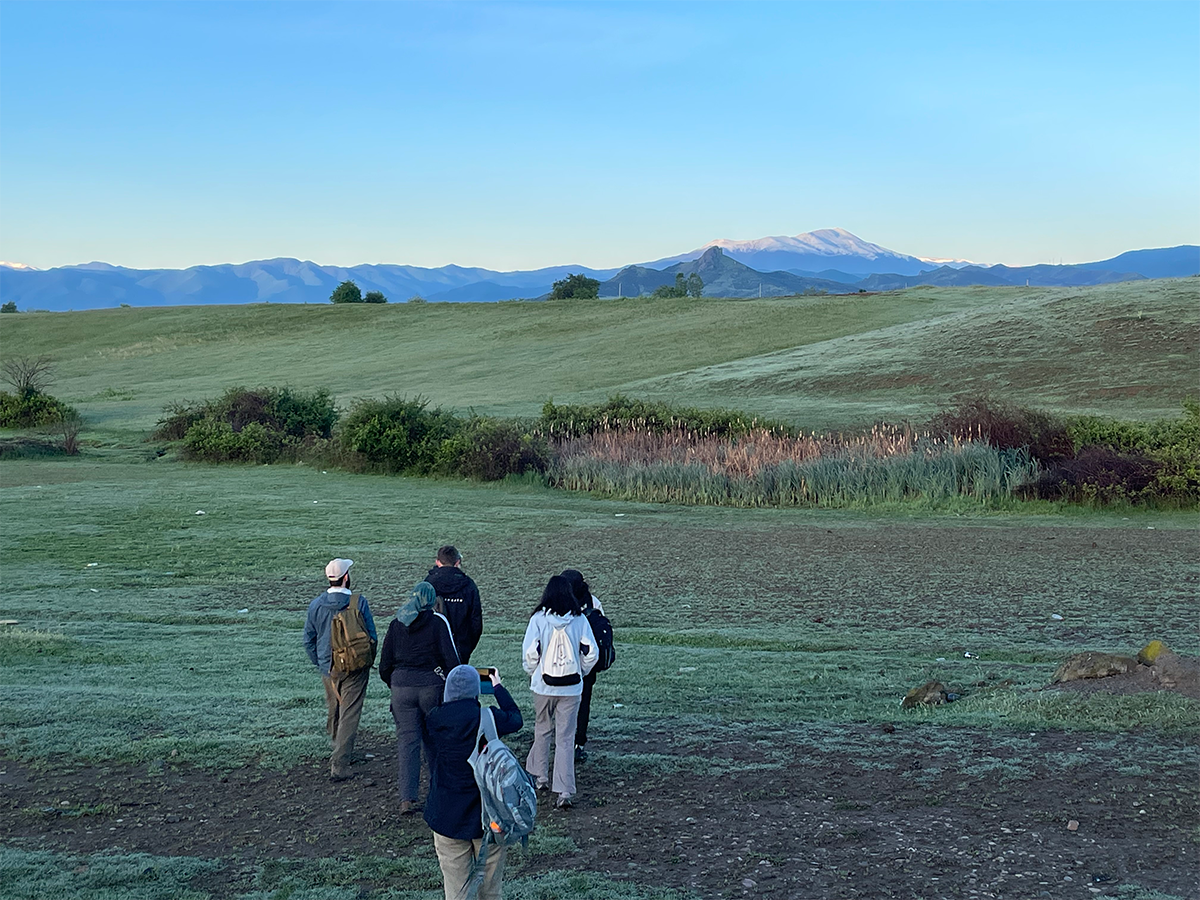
x=558, y=715
x=455, y=857
x=344, y=695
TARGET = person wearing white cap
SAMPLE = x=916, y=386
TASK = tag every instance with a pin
x=344, y=691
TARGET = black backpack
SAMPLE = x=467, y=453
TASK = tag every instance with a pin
x=602, y=629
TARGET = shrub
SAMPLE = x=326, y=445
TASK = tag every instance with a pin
x=374, y=297
x=396, y=434
x=32, y=409
x=244, y=425
x=490, y=449
x=1006, y=426
x=289, y=412
x=621, y=413
x=214, y=440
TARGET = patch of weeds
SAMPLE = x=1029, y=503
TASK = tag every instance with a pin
x=1137, y=892
x=418, y=871
x=992, y=766
x=74, y=812
x=35, y=875
x=20, y=646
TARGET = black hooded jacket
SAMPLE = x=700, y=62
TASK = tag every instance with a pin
x=458, y=600
x=412, y=653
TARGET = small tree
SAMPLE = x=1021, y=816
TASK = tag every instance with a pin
x=695, y=285
x=346, y=292
x=10, y=306
x=416, y=298
x=576, y=287
x=374, y=297
x=678, y=289
x=29, y=374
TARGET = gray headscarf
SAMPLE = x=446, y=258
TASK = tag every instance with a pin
x=420, y=598
x=461, y=684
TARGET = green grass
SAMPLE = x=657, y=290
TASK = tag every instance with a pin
x=43, y=875
x=113, y=573
x=1123, y=350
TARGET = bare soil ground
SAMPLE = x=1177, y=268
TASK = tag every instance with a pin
x=831, y=829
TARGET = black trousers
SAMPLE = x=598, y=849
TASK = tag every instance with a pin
x=585, y=709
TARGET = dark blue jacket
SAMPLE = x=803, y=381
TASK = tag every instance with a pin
x=458, y=600
x=453, y=808
x=412, y=653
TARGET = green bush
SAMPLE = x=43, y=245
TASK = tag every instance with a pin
x=243, y=425
x=491, y=449
x=283, y=410
x=215, y=441
x=621, y=413
x=396, y=434
x=32, y=408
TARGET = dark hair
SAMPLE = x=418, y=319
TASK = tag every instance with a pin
x=449, y=555
x=579, y=587
x=558, y=598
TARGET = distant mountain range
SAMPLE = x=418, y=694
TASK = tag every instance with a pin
x=831, y=260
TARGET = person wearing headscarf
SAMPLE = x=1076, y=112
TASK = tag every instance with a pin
x=454, y=809
x=418, y=654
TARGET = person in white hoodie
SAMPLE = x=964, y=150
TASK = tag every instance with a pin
x=559, y=649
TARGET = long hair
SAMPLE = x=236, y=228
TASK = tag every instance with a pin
x=558, y=598
x=583, y=593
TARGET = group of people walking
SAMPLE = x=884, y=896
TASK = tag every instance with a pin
x=435, y=694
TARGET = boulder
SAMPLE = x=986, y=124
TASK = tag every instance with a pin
x=1094, y=665
x=932, y=693
x=1177, y=673
x=1150, y=653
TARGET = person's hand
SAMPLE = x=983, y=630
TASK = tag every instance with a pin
x=494, y=674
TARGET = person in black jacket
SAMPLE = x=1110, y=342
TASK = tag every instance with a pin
x=458, y=599
x=454, y=809
x=418, y=654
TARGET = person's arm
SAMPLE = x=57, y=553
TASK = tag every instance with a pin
x=310, y=637
x=446, y=651
x=587, y=643
x=367, y=619
x=531, y=650
x=474, y=622
x=387, y=660
x=508, y=716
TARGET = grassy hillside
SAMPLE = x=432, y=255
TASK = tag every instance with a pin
x=1126, y=349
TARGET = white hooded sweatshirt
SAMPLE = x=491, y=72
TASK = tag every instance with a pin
x=537, y=638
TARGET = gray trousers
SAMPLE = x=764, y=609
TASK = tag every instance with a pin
x=557, y=715
x=344, y=695
x=410, y=706
x=455, y=857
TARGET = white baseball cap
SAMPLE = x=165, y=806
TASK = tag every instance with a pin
x=337, y=568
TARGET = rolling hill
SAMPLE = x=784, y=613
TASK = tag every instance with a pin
x=1128, y=349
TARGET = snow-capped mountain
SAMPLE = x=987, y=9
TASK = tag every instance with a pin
x=810, y=253
x=19, y=266
x=939, y=261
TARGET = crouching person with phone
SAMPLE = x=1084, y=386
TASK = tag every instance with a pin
x=454, y=809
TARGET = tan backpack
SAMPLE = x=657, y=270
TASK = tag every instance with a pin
x=353, y=649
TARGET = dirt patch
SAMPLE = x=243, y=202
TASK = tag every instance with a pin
x=1179, y=674
x=776, y=815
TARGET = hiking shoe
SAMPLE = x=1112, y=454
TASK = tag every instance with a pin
x=409, y=807
x=580, y=755
x=564, y=801
x=543, y=785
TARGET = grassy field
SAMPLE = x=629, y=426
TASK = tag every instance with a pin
x=821, y=362
x=153, y=639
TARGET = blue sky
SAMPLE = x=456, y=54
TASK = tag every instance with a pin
x=513, y=135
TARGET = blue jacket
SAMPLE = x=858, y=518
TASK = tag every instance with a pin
x=317, y=624
x=454, y=808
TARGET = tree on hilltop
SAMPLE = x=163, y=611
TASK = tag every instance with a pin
x=346, y=292
x=374, y=297
x=576, y=287
x=695, y=285
x=10, y=306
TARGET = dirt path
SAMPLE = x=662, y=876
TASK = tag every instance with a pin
x=923, y=823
